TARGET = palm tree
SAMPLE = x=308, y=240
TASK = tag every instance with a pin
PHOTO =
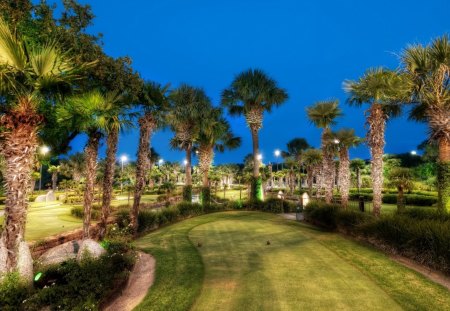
x=28, y=76
x=323, y=115
x=357, y=165
x=154, y=103
x=74, y=166
x=402, y=179
x=381, y=89
x=252, y=93
x=184, y=118
x=215, y=134
x=295, y=149
x=346, y=139
x=54, y=170
x=312, y=158
x=117, y=120
x=89, y=113
x=428, y=68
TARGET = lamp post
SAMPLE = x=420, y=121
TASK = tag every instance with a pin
x=123, y=159
x=44, y=150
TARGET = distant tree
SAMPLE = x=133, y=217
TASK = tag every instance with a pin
x=346, y=139
x=323, y=115
x=402, y=179
x=251, y=94
x=54, y=171
x=295, y=149
x=312, y=158
x=74, y=166
x=357, y=165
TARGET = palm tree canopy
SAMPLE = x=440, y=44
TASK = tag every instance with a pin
x=32, y=71
x=215, y=131
x=382, y=86
x=253, y=90
x=357, y=164
x=295, y=148
x=153, y=99
x=323, y=113
x=90, y=112
x=428, y=67
x=312, y=157
x=346, y=138
x=187, y=106
x=401, y=177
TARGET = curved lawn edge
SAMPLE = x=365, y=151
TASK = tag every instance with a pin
x=180, y=270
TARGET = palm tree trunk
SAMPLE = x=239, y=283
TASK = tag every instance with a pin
x=400, y=199
x=377, y=125
x=443, y=173
x=344, y=175
x=255, y=140
x=91, y=167
x=328, y=168
x=108, y=179
x=54, y=180
x=309, y=176
x=19, y=149
x=146, y=124
x=358, y=179
x=188, y=166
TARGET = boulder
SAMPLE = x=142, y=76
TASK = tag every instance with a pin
x=25, y=263
x=90, y=248
x=41, y=198
x=50, y=196
x=60, y=253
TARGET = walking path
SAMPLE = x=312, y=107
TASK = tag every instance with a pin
x=140, y=280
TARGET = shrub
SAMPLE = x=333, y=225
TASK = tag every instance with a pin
x=189, y=209
x=13, y=292
x=78, y=212
x=147, y=220
x=187, y=193
x=321, y=214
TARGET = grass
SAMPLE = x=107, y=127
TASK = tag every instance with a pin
x=46, y=219
x=302, y=268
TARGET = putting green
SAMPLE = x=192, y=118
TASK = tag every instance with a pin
x=233, y=268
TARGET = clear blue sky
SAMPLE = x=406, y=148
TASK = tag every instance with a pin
x=309, y=47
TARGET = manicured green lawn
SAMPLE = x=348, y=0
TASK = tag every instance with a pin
x=302, y=269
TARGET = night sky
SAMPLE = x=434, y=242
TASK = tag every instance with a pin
x=309, y=47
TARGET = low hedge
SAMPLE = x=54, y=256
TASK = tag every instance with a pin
x=78, y=212
x=418, y=233
x=410, y=199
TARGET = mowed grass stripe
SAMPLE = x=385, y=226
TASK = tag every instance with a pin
x=293, y=271
x=302, y=269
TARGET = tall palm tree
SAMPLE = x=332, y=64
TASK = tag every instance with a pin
x=185, y=117
x=346, y=139
x=357, y=165
x=312, y=159
x=89, y=113
x=215, y=134
x=28, y=76
x=295, y=149
x=381, y=89
x=74, y=166
x=118, y=119
x=252, y=93
x=323, y=115
x=154, y=103
x=428, y=68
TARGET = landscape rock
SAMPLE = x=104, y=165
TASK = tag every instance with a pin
x=60, y=253
x=90, y=248
x=25, y=262
x=41, y=198
x=50, y=197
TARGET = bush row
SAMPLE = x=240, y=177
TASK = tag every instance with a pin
x=394, y=191
x=410, y=199
x=418, y=233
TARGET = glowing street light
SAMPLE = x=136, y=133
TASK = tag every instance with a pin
x=160, y=162
x=185, y=162
x=414, y=152
x=277, y=155
x=43, y=150
x=259, y=157
x=336, y=141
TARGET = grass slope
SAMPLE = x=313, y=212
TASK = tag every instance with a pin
x=302, y=268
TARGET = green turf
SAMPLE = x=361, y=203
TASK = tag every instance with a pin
x=302, y=269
